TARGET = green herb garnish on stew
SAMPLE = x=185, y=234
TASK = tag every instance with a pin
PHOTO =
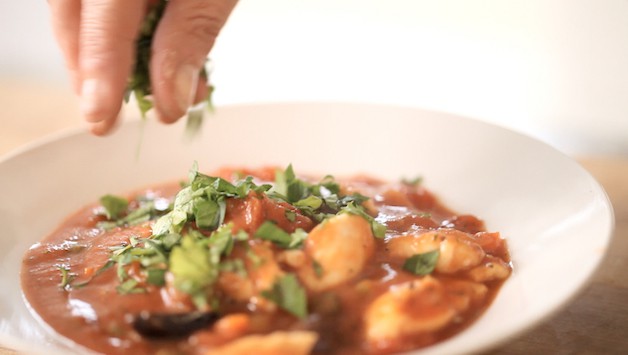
x=422, y=264
x=289, y=295
x=191, y=243
x=270, y=231
x=114, y=206
x=322, y=200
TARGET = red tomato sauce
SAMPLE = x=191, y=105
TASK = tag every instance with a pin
x=345, y=316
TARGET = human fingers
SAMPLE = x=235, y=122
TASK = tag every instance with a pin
x=108, y=30
x=184, y=36
x=103, y=128
x=65, y=18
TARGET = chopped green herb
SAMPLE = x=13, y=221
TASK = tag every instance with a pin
x=241, y=236
x=203, y=201
x=66, y=277
x=416, y=181
x=318, y=268
x=129, y=286
x=156, y=277
x=181, y=245
x=195, y=263
x=270, y=231
x=255, y=259
x=311, y=203
x=194, y=120
x=206, y=213
x=291, y=216
x=139, y=83
x=114, y=206
x=319, y=201
x=235, y=265
x=297, y=238
x=379, y=229
x=221, y=241
x=422, y=264
x=288, y=294
x=146, y=211
x=191, y=266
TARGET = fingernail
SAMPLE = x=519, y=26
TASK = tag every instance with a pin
x=186, y=80
x=92, y=90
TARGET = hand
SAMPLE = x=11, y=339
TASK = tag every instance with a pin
x=97, y=38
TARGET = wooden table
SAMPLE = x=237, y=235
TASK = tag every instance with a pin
x=595, y=322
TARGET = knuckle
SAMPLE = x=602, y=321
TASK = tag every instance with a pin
x=204, y=27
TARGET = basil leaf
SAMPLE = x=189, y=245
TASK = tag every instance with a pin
x=66, y=276
x=156, y=277
x=194, y=121
x=270, y=231
x=206, y=213
x=114, y=206
x=422, y=264
x=288, y=186
x=378, y=229
x=416, y=181
x=221, y=241
x=203, y=201
x=318, y=269
x=191, y=267
x=235, y=266
x=297, y=238
x=291, y=216
x=129, y=286
x=288, y=294
x=311, y=202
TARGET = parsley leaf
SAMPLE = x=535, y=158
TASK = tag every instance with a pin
x=422, y=264
x=288, y=294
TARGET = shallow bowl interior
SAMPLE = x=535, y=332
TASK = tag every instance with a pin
x=555, y=216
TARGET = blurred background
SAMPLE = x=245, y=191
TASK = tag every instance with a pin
x=554, y=69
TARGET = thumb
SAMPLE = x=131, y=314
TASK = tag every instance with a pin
x=184, y=37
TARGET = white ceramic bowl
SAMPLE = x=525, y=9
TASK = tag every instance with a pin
x=555, y=216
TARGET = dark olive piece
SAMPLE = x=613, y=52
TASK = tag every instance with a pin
x=172, y=325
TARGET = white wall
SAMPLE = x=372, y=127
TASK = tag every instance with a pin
x=556, y=69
